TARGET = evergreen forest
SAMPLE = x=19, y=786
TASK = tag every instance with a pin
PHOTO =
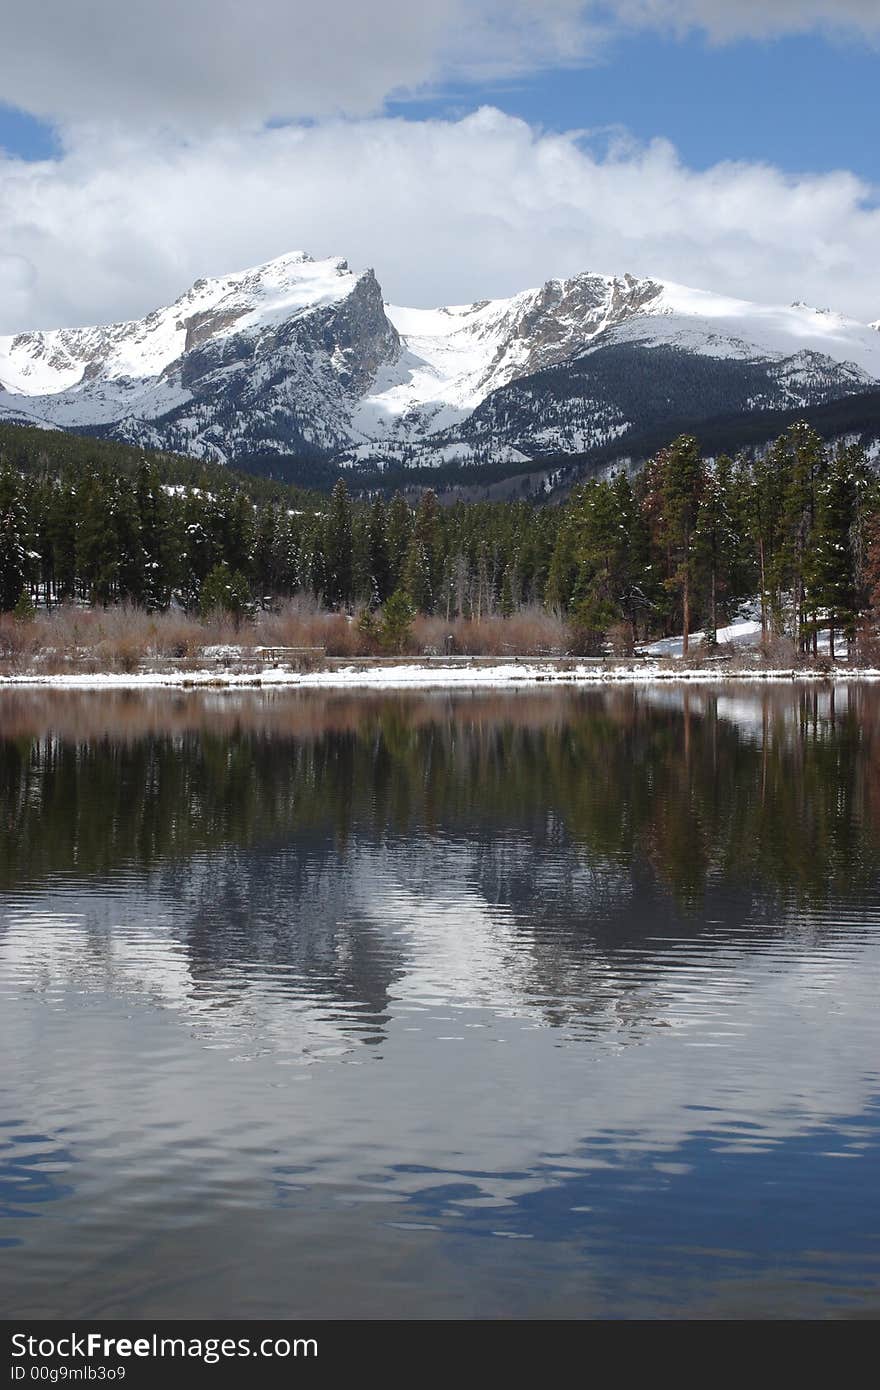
x=681, y=546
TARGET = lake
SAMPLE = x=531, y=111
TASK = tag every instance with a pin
x=554, y=1004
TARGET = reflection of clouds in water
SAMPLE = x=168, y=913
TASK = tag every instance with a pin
x=461, y=949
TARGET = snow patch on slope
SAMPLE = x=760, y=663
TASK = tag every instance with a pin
x=719, y=326
x=13, y=415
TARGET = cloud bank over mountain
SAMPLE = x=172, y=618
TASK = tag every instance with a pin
x=451, y=210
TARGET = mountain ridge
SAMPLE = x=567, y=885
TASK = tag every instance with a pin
x=297, y=362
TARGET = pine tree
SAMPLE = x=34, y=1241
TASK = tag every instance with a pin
x=24, y=611
x=417, y=576
x=97, y=539
x=288, y=542
x=380, y=556
x=197, y=551
x=682, y=477
x=399, y=532
x=714, y=544
x=13, y=556
x=428, y=531
x=397, y=620
x=644, y=599
x=265, y=567
x=509, y=589
x=361, y=570
x=239, y=540
x=804, y=461
x=764, y=492
x=225, y=591
x=314, y=562
x=834, y=568
x=131, y=572
x=156, y=529
x=562, y=572
x=485, y=595
x=601, y=537
x=61, y=530
x=338, y=548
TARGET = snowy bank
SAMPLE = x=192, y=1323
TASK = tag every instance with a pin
x=740, y=634
x=513, y=675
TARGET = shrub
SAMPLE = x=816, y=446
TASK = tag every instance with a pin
x=24, y=611
x=368, y=628
x=119, y=654
x=531, y=631
x=19, y=641
x=226, y=591
x=586, y=641
x=396, y=622
x=866, y=649
x=779, y=651
x=621, y=639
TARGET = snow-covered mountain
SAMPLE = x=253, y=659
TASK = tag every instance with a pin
x=272, y=358
x=301, y=360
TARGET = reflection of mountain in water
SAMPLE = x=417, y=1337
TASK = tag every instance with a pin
x=292, y=949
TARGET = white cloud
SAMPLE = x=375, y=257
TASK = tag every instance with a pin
x=446, y=211
x=192, y=64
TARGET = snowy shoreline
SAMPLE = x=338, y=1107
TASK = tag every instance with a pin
x=416, y=676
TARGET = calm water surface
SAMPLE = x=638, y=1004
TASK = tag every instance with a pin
x=556, y=1004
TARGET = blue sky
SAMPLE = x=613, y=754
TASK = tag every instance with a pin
x=804, y=104
x=26, y=136
x=466, y=149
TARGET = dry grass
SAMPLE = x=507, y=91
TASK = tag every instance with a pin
x=126, y=639
x=99, y=639
x=301, y=623
x=19, y=643
x=528, y=632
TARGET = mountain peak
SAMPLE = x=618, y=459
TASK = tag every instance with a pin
x=294, y=268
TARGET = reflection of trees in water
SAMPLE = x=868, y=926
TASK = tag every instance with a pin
x=781, y=795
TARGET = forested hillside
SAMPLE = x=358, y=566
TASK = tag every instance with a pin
x=677, y=547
